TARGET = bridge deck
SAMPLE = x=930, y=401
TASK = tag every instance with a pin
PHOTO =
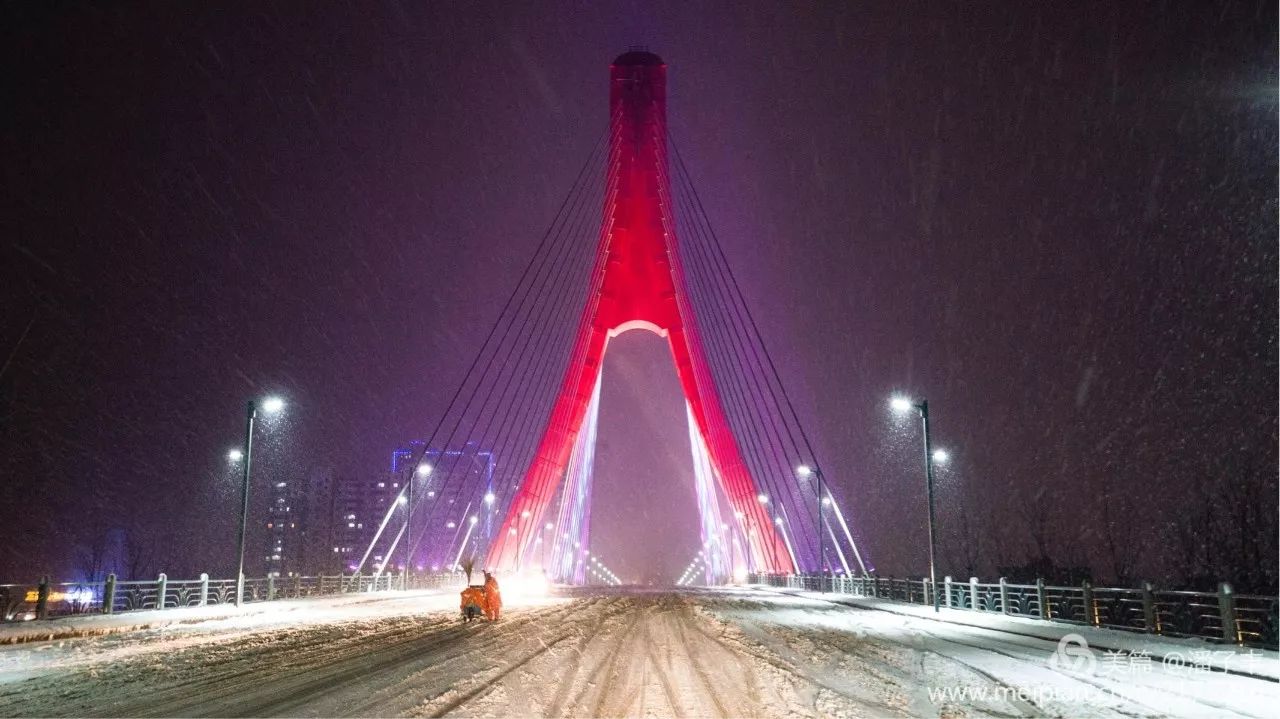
x=615, y=652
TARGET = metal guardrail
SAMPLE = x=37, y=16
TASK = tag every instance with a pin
x=1222, y=616
x=49, y=600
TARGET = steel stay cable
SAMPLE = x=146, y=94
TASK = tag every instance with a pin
x=736, y=395
x=700, y=255
x=561, y=290
x=470, y=370
x=564, y=246
x=567, y=246
x=733, y=282
x=543, y=475
x=752, y=394
x=733, y=405
x=707, y=382
x=546, y=368
x=462, y=454
x=813, y=519
x=755, y=332
x=548, y=384
x=536, y=476
x=522, y=338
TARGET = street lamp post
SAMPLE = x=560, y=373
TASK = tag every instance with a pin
x=271, y=404
x=772, y=560
x=804, y=471
x=902, y=404
x=489, y=499
x=423, y=470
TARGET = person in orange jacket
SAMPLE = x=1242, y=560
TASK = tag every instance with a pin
x=492, y=598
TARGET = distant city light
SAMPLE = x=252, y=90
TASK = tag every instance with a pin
x=473, y=519
x=548, y=527
x=764, y=498
x=940, y=456
x=804, y=470
x=489, y=498
x=424, y=470
x=402, y=500
x=235, y=455
x=524, y=514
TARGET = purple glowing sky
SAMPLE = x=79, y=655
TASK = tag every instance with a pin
x=1059, y=225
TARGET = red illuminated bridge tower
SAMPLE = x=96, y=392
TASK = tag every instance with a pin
x=640, y=287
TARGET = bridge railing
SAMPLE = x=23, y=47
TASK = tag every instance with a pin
x=48, y=600
x=1222, y=616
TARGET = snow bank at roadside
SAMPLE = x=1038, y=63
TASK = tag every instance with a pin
x=276, y=612
x=1195, y=653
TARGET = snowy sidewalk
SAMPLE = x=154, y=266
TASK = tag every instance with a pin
x=333, y=607
x=1193, y=654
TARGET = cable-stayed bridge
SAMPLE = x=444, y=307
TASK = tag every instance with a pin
x=630, y=249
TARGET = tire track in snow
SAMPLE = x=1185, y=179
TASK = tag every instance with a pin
x=678, y=621
x=664, y=679
x=318, y=675
x=487, y=639
x=591, y=640
x=489, y=683
x=785, y=658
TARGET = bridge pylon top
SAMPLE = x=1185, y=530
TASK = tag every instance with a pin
x=638, y=56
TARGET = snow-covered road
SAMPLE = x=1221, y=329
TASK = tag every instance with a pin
x=716, y=653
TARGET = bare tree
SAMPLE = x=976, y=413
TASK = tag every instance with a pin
x=91, y=556
x=140, y=556
x=968, y=542
x=1121, y=540
x=1036, y=512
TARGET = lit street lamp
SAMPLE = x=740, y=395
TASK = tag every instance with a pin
x=805, y=470
x=902, y=405
x=270, y=405
x=422, y=470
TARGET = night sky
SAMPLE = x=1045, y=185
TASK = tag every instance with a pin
x=1057, y=224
